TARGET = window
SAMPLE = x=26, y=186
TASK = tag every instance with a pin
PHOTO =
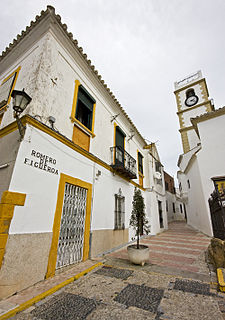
x=84, y=109
x=181, y=209
x=119, y=140
x=157, y=166
x=166, y=186
x=180, y=186
x=119, y=211
x=140, y=163
x=7, y=87
x=174, y=210
x=166, y=206
x=160, y=214
x=188, y=183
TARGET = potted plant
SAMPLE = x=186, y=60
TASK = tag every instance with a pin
x=138, y=253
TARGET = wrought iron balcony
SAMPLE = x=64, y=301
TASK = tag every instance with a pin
x=122, y=162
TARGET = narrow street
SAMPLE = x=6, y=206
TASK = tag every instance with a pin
x=179, y=251
x=175, y=284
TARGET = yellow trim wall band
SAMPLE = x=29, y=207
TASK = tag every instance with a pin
x=57, y=220
x=36, y=124
x=8, y=202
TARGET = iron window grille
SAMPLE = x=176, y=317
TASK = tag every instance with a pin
x=119, y=211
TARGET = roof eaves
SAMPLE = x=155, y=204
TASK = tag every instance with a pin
x=51, y=10
x=208, y=115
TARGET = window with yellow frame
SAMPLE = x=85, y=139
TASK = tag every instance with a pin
x=7, y=87
x=83, y=111
x=140, y=167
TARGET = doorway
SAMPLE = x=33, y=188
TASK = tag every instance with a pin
x=71, y=236
x=160, y=214
x=71, y=228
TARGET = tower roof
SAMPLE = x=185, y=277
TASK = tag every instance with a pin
x=188, y=80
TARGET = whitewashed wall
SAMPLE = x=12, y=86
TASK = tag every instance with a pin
x=48, y=73
x=30, y=62
x=197, y=207
x=212, y=155
x=41, y=187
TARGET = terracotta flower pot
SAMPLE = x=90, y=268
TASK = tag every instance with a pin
x=138, y=256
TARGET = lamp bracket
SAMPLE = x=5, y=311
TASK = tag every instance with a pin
x=114, y=117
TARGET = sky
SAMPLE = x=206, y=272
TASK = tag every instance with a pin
x=141, y=48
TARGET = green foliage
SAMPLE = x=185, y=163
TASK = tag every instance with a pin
x=138, y=219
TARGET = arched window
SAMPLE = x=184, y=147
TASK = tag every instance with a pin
x=190, y=93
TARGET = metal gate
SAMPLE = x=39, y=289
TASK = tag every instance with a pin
x=217, y=210
x=71, y=237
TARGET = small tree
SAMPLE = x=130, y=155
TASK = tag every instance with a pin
x=138, y=219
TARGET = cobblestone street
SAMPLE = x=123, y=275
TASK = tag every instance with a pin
x=175, y=284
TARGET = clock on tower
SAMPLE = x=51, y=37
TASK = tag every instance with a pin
x=192, y=100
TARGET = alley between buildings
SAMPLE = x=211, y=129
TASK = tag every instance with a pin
x=175, y=284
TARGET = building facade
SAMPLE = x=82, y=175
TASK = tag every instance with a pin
x=175, y=207
x=66, y=186
x=201, y=128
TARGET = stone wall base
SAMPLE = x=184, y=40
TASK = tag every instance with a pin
x=25, y=261
x=103, y=240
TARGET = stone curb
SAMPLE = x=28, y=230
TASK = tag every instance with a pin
x=220, y=276
x=43, y=295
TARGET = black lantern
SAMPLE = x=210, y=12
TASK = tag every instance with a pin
x=20, y=101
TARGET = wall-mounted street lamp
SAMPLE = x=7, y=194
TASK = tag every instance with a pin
x=20, y=102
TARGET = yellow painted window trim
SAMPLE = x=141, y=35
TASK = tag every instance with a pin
x=13, y=86
x=74, y=107
x=114, y=142
x=114, y=138
x=57, y=220
x=8, y=202
x=139, y=172
x=82, y=127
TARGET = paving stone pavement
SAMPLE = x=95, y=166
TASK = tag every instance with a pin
x=156, y=291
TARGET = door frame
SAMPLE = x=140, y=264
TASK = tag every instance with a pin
x=57, y=221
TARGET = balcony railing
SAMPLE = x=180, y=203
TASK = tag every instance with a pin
x=122, y=162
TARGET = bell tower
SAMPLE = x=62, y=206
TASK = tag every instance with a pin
x=192, y=100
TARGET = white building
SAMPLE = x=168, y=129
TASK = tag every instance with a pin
x=66, y=187
x=175, y=207
x=201, y=129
